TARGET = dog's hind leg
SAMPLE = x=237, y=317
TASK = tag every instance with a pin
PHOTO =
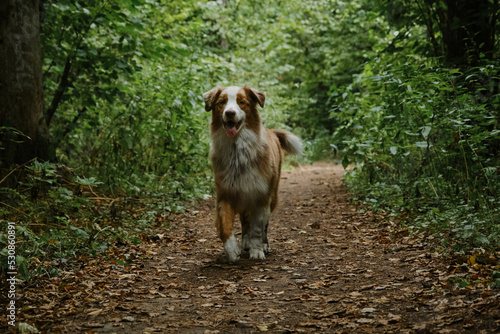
x=265, y=241
x=245, y=239
x=224, y=219
x=257, y=232
x=245, y=226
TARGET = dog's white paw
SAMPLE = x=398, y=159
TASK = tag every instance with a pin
x=257, y=254
x=232, y=249
x=267, y=248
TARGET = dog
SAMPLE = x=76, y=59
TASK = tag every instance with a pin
x=246, y=159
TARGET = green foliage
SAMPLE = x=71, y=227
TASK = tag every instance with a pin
x=130, y=113
x=58, y=216
x=460, y=32
x=496, y=277
x=425, y=140
x=303, y=50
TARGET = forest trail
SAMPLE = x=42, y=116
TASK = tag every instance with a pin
x=334, y=267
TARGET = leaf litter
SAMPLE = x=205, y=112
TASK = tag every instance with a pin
x=334, y=267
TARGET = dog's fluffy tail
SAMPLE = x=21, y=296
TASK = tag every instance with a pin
x=289, y=142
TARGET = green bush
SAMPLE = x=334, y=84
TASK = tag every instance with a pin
x=424, y=139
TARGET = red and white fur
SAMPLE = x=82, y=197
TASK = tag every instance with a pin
x=247, y=159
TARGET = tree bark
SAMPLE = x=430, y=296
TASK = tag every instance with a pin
x=21, y=85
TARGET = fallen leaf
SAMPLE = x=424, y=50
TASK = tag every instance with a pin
x=364, y=321
x=263, y=328
x=95, y=312
x=393, y=318
x=93, y=325
x=25, y=328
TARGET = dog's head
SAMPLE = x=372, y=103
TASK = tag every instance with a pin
x=234, y=108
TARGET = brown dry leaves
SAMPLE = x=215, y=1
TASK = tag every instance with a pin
x=334, y=267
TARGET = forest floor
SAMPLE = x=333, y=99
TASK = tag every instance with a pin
x=334, y=267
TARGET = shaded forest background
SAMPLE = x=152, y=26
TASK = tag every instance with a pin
x=406, y=91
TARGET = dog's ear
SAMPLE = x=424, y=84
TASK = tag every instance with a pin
x=211, y=96
x=259, y=97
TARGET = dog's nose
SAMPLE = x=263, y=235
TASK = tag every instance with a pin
x=230, y=113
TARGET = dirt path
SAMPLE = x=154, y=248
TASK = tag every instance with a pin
x=334, y=267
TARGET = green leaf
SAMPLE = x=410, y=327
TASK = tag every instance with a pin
x=345, y=161
x=135, y=240
x=79, y=232
x=22, y=267
x=425, y=131
x=423, y=144
x=91, y=181
x=464, y=284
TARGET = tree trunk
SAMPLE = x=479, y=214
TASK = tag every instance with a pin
x=21, y=86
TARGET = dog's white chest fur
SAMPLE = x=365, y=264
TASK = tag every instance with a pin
x=237, y=163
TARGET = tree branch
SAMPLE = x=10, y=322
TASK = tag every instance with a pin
x=63, y=84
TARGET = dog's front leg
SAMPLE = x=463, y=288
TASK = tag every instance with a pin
x=257, y=233
x=224, y=222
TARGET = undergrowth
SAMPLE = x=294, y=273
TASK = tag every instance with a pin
x=425, y=142
x=59, y=215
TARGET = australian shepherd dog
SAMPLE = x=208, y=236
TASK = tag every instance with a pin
x=246, y=159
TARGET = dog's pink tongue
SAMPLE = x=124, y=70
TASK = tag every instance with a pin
x=231, y=132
